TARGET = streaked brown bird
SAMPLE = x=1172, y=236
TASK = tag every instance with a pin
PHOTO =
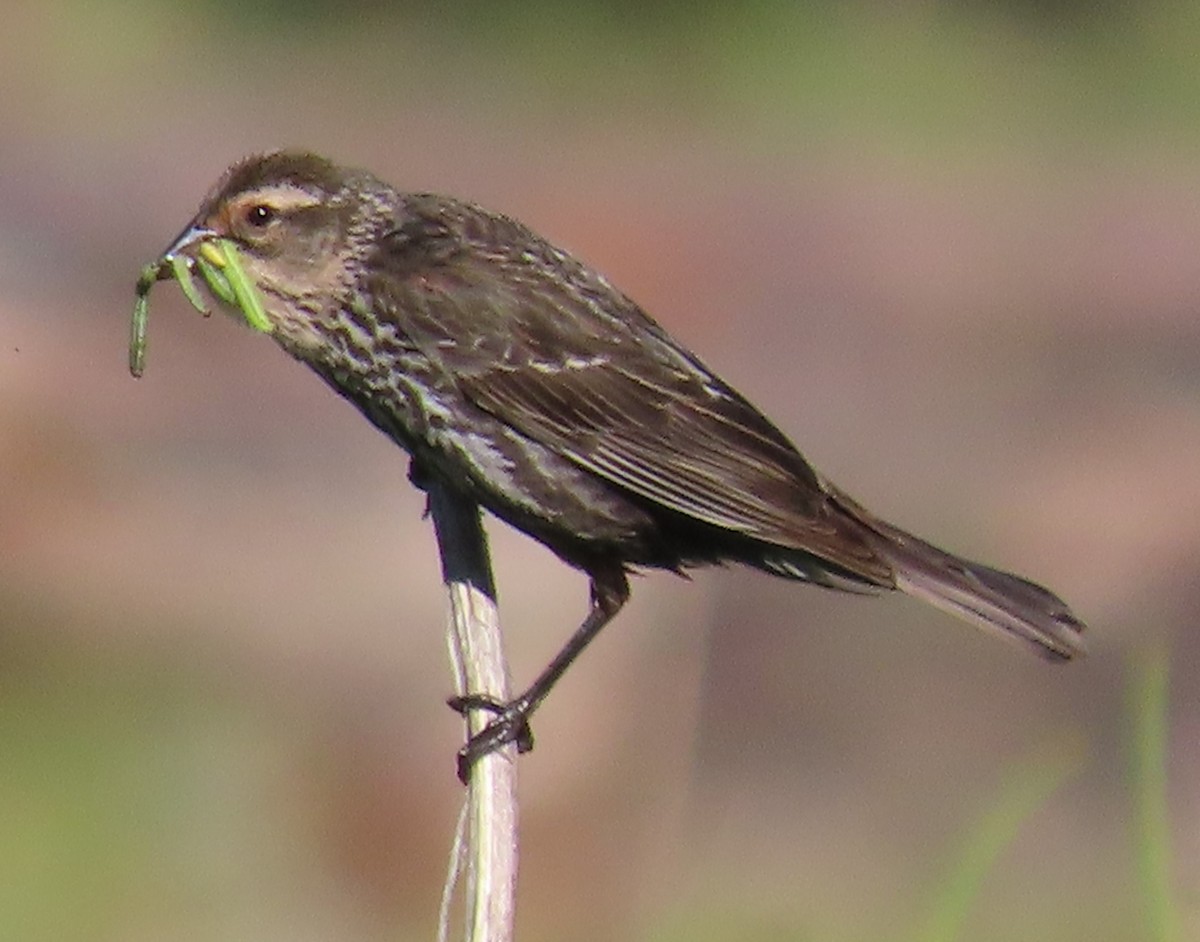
x=525, y=381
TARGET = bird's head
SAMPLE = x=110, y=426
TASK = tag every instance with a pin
x=285, y=212
x=278, y=240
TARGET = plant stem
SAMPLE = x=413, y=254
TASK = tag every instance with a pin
x=486, y=843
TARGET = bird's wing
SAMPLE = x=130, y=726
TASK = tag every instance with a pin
x=564, y=358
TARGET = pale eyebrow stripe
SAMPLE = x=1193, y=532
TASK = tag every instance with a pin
x=283, y=196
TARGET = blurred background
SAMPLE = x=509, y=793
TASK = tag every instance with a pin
x=950, y=247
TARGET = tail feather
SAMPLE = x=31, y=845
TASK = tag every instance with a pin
x=987, y=598
x=992, y=600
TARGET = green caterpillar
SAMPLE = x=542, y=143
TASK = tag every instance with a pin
x=221, y=268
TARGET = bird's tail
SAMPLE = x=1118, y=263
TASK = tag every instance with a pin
x=987, y=598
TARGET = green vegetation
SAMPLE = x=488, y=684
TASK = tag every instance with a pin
x=1027, y=788
x=1147, y=696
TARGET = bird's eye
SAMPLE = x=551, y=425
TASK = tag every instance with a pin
x=260, y=215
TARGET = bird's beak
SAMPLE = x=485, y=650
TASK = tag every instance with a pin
x=190, y=237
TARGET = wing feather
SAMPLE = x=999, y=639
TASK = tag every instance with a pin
x=552, y=350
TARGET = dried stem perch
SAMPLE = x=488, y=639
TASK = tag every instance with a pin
x=486, y=843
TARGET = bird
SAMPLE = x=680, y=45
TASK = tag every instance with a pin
x=521, y=379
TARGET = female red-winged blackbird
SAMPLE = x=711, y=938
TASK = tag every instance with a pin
x=525, y=381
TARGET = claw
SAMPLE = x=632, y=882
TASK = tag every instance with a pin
x=510, y=726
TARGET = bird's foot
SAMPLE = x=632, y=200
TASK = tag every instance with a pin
x=511, y=724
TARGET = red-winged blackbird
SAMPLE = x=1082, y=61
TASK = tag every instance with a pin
x=525, y=381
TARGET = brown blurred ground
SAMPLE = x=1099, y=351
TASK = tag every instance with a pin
x=221, y=656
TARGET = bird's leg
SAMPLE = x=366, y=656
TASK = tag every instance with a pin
x=609, y=592
x=418, y=477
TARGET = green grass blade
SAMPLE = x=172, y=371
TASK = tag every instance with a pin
x=1147, y=697
x=1025, y=790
